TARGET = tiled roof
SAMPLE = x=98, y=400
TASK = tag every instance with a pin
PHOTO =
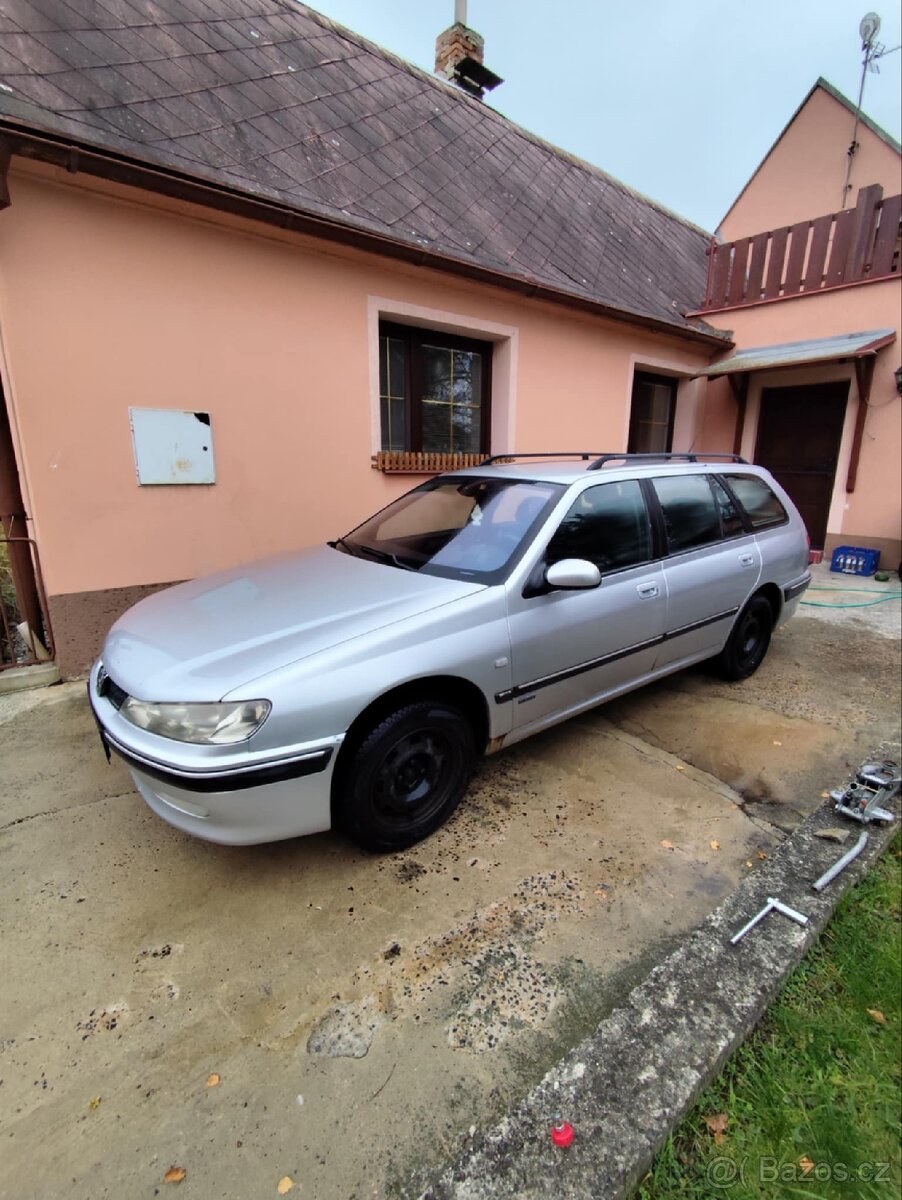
x=270, y=99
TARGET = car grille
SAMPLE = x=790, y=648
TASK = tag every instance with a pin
x=116, y=695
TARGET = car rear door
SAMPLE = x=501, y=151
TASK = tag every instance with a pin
x=570, y=648
x=712, y=564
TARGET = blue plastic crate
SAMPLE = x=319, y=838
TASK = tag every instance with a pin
x=855, y=560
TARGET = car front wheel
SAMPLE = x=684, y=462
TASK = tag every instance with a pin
x=748, y=642
x=406, y=777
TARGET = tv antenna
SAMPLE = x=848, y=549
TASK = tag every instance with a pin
x=873, y=50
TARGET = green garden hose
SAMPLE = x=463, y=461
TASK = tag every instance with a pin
x=854, y=603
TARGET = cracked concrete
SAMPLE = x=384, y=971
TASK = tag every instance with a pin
x=138, y=962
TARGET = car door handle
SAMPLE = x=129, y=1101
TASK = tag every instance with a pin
x=647, y=590
x=747, y=560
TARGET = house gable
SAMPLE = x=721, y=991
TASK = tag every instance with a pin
x=803, y=174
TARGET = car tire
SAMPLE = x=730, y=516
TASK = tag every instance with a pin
x=748, y=641
x=406, y=777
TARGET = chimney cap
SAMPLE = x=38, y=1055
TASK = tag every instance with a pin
x=474, y=77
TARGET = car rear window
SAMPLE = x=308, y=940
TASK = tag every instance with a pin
x=690, y=515
x=760, y=503
x=730, y=519
x=607, y=525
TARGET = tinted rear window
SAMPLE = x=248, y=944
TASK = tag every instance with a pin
x=690, y=516
x=757, y=499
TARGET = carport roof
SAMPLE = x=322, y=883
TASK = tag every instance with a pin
x=797, y=354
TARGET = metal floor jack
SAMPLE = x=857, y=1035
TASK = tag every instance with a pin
x=859, y=799
x=872, y=783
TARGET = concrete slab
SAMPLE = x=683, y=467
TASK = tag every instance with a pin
x=626, y=1086
x=138, y=961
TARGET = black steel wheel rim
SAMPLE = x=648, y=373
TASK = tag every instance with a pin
x=751, y=641
x=414, y=778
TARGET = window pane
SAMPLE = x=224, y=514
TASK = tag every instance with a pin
x=651, y=414
x=607, y=525
x=452, y=400
x=690, y=516
x=393, y=393
x=757, y=499
x=730, y=520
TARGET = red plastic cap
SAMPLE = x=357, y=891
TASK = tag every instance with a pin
x=562, y=1135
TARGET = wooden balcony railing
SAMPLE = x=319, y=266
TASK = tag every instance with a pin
x=857, y=245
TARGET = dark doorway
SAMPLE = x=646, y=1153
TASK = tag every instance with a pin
x=652, y=410
x=799, y=431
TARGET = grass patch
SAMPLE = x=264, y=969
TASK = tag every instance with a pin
x=812, y=1099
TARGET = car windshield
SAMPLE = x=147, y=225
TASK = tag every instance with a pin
x=462, y=528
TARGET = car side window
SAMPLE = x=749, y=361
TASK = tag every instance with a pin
x=608, y=525
x=691, y=518
x=730, y=520
x=757, y=499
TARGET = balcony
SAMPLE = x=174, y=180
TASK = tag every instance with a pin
x=856, y=246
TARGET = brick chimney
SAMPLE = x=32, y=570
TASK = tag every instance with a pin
x=459, y=55
x=453, y=46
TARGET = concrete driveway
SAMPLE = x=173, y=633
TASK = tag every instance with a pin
x=358, y=1016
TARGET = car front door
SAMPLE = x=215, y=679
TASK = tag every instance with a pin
x=712, y=566
x=572, y=648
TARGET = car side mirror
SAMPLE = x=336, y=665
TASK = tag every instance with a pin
x=572, y=573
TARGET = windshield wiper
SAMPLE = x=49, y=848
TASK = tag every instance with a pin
x=383, y=556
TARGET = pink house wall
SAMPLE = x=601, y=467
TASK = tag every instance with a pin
x=872, y=512
x=109, y=299
x=802, y=178
x=803, y=175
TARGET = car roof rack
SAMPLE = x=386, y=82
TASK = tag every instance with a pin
x=692, y=456
x=585, y=455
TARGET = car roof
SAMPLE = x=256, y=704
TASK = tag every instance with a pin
x=568, y=471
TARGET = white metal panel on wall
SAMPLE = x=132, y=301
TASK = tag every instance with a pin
x=172, y=446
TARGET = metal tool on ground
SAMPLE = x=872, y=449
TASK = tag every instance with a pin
x=841, y=863
x=772, y=905
x=873, y=784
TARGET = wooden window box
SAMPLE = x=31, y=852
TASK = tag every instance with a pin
x=418, y=462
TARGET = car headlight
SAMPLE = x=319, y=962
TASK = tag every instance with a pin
x=208, y=724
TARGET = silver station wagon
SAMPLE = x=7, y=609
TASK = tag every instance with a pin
x=354, y=684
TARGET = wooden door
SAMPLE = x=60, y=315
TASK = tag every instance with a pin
x=799, y=432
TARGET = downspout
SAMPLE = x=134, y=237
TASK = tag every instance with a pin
x=13, y=519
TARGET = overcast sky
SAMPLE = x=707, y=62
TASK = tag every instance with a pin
x=680, y=99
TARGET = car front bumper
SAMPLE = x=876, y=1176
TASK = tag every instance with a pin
x=234, y=802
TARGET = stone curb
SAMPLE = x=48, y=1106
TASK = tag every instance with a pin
x=626, y=1086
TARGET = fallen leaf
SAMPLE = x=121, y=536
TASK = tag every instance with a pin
x=94, y=1102
x=717, y=1125
x=286, y=1183
x=715, y=845
x=213, y=1080
x=762, y=855
x=667, y=845
x=175, y=1175
x=876, y=1015
x=806, y=1164
x=825, y=795
x=680, y=767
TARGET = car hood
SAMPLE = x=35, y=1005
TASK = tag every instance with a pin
x=199, y=640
